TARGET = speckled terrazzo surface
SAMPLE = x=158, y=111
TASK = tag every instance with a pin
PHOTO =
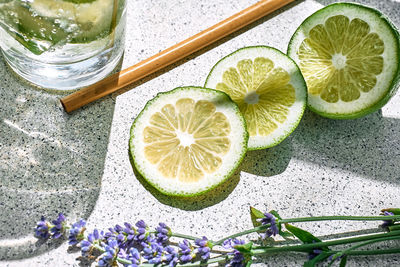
x=78, y=164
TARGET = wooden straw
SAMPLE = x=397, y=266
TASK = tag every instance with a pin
x=136, y=72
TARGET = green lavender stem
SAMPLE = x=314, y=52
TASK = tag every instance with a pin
x=307, y=247
x=353, y=248
x=340, y=218
x=184, y=236
x=312, y=219
x=210, y=261
x=246, y=232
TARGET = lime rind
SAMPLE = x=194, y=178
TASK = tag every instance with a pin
x=296, y=111
x=173, y=187
x=388, y=80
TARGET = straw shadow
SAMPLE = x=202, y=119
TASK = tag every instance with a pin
x=50, y=162
x=366, y=146
x=205, y=200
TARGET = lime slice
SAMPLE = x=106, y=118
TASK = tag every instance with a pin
x=349, y=56
x=188, y=140
x=268, y=88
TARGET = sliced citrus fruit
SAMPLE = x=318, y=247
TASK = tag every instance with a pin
x=349, y=55
x=268, y=88
x=188, y=140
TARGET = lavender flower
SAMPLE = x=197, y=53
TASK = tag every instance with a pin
x=170, y=256
x=231, y=243
x=204, y=248
x=272, y=229
x=93, y=238
x=152, y=251
x=42, y=229
x=387, y=223
x=186, y=251
x=133, y=257
x=238, y=258
x=129, y=230
x=141, y=232
x=108, y=258
x=76, y=232
x=58, y=228
x=163, y=232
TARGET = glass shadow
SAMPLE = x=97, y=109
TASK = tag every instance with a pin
x=50, y=161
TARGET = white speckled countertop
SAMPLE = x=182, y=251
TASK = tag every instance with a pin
x=78, y=164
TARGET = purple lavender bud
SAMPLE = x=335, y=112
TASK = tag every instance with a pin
x=76, y=232
x=42, y=229
x=273, y=229
x=387, y=223
x=153, y=252
x=86, y=247
x=108, y=258
x=163, y=232
x=171, y=256
x=133, y=257
x=141, y=224
x=186, y=252
x=58, y=229
x=141, y=232
x=93, y=238
x=129, y=231
x=237, y=260
x=203, y=249
x=230, y=243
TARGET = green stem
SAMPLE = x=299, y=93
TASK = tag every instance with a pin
x=307, y=247
x=374, y=252
x=246, y=232
x=340, y=218
x=184, y=236
x=210, y=261
x=346, y=251
x=312, y=219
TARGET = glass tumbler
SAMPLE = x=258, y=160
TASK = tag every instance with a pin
x=62, y=44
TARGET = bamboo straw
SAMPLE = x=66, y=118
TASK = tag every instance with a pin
x=171, y=55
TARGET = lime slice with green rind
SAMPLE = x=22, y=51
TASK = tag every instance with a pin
x=349, y=55
x=189, y=140
x=268, y=88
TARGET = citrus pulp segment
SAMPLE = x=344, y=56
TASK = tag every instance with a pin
x=349, y=56
x=268, y=88
x=188, y=140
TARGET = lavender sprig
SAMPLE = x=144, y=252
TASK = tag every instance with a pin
x=137, y=245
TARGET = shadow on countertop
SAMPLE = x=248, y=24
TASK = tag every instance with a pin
x=276, y=158
x=50, y=161
x=368, y=147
